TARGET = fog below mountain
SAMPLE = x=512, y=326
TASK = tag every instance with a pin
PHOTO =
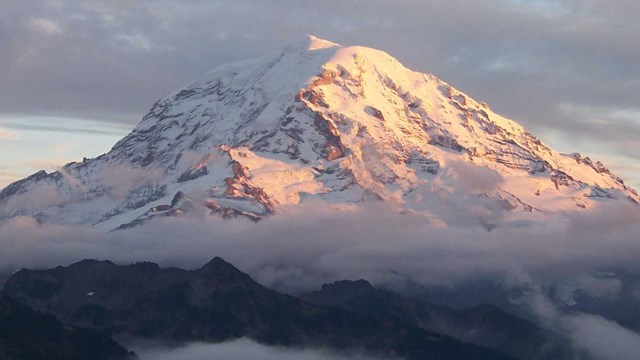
x=317, y=244
x=238, y=349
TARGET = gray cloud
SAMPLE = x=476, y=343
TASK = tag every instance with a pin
x=61, y=129
x=112, y=59
x=239, y=349
x=299, y=251
x=596, y=336
x=318, y=244
x=602, y=338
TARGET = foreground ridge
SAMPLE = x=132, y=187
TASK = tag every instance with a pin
x=217, y=303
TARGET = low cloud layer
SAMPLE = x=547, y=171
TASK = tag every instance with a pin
x=602, y=338
x=596, y=337
x=239, y=349
x=317, y=244
x=288, y=251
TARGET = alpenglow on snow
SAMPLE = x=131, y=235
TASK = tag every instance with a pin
x=318, y=122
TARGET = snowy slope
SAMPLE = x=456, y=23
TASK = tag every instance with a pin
x=318, y=122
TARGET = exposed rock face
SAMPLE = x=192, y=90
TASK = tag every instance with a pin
x=323, y=122
x=216, y=303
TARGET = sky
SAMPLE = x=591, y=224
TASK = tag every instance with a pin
x=77, y=76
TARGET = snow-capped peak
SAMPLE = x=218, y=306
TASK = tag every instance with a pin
x=315, y=43
x=343, y=125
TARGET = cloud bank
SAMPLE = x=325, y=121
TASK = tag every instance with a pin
x=239, y=349
x=596, y=337
x=317, y=244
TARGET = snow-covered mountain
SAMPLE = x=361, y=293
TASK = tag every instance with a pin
x=318, y=122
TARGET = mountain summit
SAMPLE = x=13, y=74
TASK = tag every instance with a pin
x=318, y=121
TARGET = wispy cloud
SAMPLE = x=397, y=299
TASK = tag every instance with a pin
x=86, y=129
x=600, y=338
x=44, y=26
x=137, y=41
x=6, y=134
x=7, y=177
x=238, y=349
x=47, y=163
x=49, y=142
